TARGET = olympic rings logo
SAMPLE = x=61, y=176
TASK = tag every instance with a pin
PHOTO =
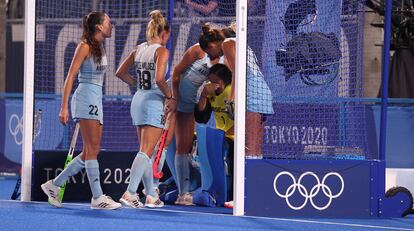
x=309, y=195
x=16, y=128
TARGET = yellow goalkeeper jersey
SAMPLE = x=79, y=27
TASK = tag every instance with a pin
x=223, y=122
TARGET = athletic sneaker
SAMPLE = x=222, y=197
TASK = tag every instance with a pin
x=52, y=193
x=254, y=157
x=104, y=202
x=152, y=202
x=184, y=199
x=251, y=157
x=157, y=190
x=131, y=200
x=229, y=204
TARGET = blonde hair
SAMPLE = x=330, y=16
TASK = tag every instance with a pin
x=156, y=25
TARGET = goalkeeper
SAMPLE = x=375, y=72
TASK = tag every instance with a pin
x=213, y=98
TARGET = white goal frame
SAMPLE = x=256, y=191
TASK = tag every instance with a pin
x=240, y=106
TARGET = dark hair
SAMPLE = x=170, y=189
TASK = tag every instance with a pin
x=222, y=71
x=157, y=24
x=230, y=31
x=89, y=29
x=209, y=35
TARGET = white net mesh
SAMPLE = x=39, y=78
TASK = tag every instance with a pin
x=310, y=54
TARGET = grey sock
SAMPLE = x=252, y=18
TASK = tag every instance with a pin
x=75, y=166
x=137, y=171
x=182, y=168
x=92, y=170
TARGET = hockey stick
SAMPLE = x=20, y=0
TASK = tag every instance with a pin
x=69, y=157
x=161, y=145
x=37, y=118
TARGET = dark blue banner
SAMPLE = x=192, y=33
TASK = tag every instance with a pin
x=13, y=128
x=295, y=126
x=303, y=188
x=114, y=168
x=297, y=130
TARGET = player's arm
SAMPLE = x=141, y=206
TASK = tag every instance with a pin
x=202, y=110
x=122, y=72
x=81, y=53
x=205, y=9
x=161, y=62
x=229, y=51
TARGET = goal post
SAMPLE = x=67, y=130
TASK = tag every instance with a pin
x=28, y=98
x=240, y=95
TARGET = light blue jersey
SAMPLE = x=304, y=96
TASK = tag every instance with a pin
x=86, y=102
x=259, y=95
x=93, y=72
x=148, y=102
x=197, y=72
x=192, y=78
x=145, y=66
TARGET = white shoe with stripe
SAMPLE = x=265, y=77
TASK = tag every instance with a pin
x=131, y=200
x=104, y=202
x=52, y=193
x=152, y=202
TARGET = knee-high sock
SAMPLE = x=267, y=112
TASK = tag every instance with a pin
x=92, y=170
x=170, y=159
x=182, y=168
x=75, y=166
x=138, y=168
x=148, y=179
x=160, y=164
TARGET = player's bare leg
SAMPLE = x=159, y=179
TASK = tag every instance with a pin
x=254, y=135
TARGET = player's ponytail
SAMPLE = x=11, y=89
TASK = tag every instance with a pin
x=89, y=23
x=156, y=25
x=206, y=28
x=230, y=31
x=209, y=35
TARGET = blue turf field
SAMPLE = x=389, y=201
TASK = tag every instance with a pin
x=17, y=215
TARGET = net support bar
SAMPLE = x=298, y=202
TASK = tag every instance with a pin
x=240, y=103
x=29, y=52
x=385, y=74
